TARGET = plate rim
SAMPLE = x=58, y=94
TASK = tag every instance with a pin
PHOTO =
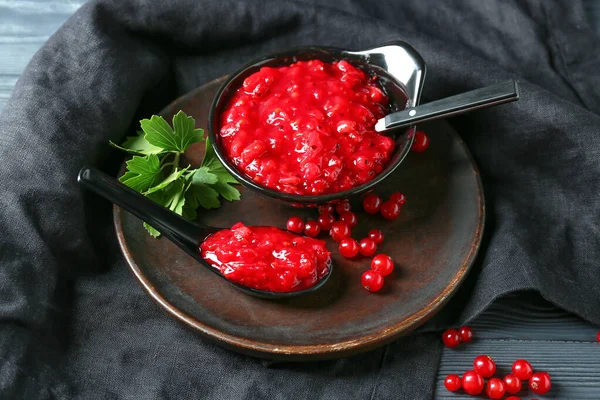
x=314, y=351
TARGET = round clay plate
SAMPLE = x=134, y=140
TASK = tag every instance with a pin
x=433, y=244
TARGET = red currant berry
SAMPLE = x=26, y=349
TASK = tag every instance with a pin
x=342, y=206
x=390, y=210
x=512, y=383
x=513, y=398
x=383, y=264
x=398, y=198
x=367, y=247
x=522, y=369
x=484, y=365
x=372, y=281
x=421, y=142
x=472, y=383
x=312, y=228
x=349, y=218
x=348, y=247
x=451, y=338
x=339, y=230
x=466, y=334
x=372, y=203
x=327, y=209
x=540, y=383
x=295, y=224
x=376, y=235
x=453, y=382
x=326, y=221
x=598, y=337
x=495, y=389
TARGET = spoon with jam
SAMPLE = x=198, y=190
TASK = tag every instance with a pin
x=261, y=261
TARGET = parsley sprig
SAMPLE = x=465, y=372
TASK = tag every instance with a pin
x=155, y=169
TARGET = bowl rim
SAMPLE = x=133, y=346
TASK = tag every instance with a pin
x=327, y=197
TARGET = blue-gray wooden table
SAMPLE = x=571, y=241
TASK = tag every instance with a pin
x=518, y=326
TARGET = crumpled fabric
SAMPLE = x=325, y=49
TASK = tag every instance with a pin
x=74, y=324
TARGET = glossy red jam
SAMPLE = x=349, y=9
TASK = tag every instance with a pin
x=307, y=128
x=267, y=258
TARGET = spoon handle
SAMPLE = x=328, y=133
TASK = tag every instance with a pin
x=173, y=226
x=461, y=103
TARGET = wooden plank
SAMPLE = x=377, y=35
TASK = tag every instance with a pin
x=526, y=326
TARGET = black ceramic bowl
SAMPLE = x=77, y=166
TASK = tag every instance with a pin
x=401, y=72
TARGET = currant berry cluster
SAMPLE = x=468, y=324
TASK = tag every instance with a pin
x=340, y=231
x=484, y=367
x=390, y=209
x=453, y=337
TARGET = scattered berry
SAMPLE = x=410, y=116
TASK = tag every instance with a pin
x=451, y=338
x=495, y=389
x=466, y=334
x=295, y=224
x=421, y=142
x=383, y=264
x=339, y=230
x=598, y=337
x=390, y=210
x=342, y=206
x=513, y=398
x=512, y=383
x=312, y=228
x=372, y=203
x=326, y=221
x=349, y=218
x=348, y=247
x=376, y=235
x=367, y=247
x=484, y=365
x=522, y=369
x=372, y=281
x=472, y=382
x=540, y=383
x=398, y=198
x=453, y=382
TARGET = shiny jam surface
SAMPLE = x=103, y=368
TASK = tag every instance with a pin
x=307, y=128
x=267, y=258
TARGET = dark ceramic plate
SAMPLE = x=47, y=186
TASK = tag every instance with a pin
x=433, y=242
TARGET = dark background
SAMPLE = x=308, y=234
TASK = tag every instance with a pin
x=520, y=325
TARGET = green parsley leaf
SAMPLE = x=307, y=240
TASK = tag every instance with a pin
x=175, y=196
x=153, y=232
x=185, y=132
x=159, y=133
x=211, y=161
x=137, y=145
x=202, y=175
x=158, y=148
x=227, y=191
x=223, y=186
x=144, y=172
x=168, y=180
x=203, y=195
x=189, y=212
x=158, y=197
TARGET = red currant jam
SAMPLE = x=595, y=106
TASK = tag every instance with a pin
x=267, y=258
x=307, y=128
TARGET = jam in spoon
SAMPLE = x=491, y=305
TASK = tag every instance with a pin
x=185, y=234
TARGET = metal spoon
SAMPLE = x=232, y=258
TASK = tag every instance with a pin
x=454, y=105
x=183, y=233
